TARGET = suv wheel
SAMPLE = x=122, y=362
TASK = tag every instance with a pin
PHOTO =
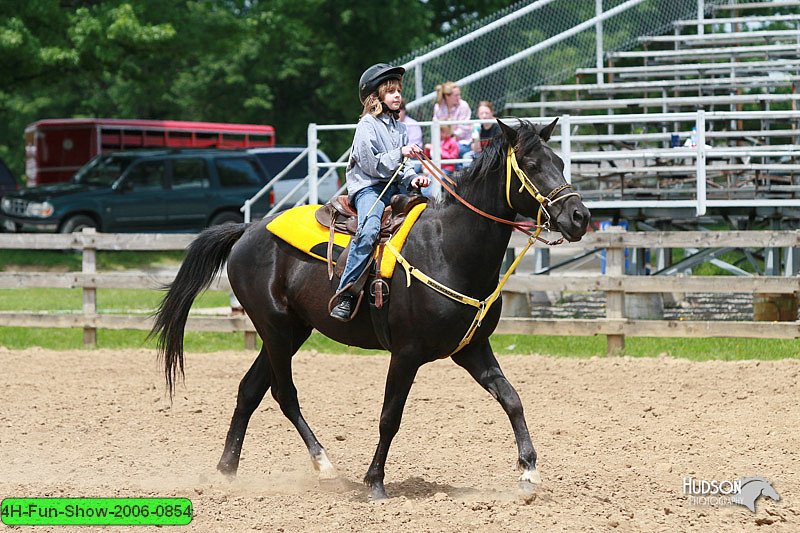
x=226, y=217
x=77, y=223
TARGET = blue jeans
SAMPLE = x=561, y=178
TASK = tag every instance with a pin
x=369, y=226
x=463, y=148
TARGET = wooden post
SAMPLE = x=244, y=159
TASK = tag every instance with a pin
x=615, y=300
x=89, y=266
x=249, y=336
x=249, y=340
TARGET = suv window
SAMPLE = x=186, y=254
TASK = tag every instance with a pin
x=103, y=171
x=237, y=172
x=189, y=174
x=146, y=176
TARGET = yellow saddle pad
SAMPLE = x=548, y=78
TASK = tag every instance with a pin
x=298, y=227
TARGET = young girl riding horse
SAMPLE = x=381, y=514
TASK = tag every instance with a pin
x=379, y=147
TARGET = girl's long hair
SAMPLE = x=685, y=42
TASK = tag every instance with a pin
x=442, y=90
x=373, y=104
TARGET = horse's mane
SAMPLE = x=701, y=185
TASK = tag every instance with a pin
x=493, y=157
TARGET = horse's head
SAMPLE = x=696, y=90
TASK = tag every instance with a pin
x=536, y=180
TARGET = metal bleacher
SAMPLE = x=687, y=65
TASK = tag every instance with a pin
x=700, y=122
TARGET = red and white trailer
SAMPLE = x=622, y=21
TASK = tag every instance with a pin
x=56, y=148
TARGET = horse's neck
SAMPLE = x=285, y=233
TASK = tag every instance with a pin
x=474, y=240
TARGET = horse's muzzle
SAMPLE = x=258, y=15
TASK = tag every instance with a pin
x=574, y=220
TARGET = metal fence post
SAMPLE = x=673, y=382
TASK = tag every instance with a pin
x=313, y=168
x=700, y=162
x=435, y=188
x=566, y=147
x=418, y=81
x=701, y=9
x=598, y=10
x=89, y=266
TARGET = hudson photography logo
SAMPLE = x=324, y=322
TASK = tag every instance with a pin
x=743, y=491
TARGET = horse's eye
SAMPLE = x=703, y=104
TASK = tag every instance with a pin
x=532, y=164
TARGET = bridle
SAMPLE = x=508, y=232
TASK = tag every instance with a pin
x=526, y=184
x=484, y=305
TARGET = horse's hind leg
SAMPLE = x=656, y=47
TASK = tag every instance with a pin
x=479, y=360
x=281, y=350
x=252, y=389
x=402, y=371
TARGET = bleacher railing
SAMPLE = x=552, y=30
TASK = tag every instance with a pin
x=660, y=151
x=504, y=57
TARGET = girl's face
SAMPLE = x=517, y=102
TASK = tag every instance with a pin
x=392, y=98
x=454, y=98
x=484, y=113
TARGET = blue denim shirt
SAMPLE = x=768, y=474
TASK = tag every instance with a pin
x=376, y=153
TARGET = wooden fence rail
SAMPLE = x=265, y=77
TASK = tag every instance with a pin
x=614, y=283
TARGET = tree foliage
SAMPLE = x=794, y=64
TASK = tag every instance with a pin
x=279, y=62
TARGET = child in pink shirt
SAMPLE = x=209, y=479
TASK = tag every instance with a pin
x=449, y=149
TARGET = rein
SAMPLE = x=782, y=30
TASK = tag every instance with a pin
x=483, y=306
x=441, y=177
x=526, y=184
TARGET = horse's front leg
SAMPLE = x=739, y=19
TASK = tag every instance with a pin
x=398, y=384
x=479, y=360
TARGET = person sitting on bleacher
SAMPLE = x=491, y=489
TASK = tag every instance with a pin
x=450, y=106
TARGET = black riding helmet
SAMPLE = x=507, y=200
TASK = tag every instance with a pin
x=374, y=76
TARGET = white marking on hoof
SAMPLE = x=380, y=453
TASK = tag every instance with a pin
x=324, y=466
x=531, y=476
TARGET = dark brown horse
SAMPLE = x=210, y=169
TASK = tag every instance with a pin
x=286, y=293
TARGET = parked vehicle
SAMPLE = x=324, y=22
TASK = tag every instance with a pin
x=7, y=181
x=56, y=148
x=144, y=190
x=276, y=158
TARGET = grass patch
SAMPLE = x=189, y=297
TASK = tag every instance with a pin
x=194, y=341
x=724, y=349
x=108, y=300
x=72, y=339
x=71, y=260
x=692, y=349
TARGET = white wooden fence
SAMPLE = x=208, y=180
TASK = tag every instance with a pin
x=614, y=283
x=90, y=280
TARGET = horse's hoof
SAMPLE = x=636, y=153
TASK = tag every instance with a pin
x=228, y=471
x=531, y=476
x=324, y=467
x=378, y=494
x=526, y=491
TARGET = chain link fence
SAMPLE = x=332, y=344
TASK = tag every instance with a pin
x=531, y=43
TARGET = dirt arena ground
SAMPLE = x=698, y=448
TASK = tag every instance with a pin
x=616, y=438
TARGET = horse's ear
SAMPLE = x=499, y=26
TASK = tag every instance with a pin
x=509, y=132
x=548, y=130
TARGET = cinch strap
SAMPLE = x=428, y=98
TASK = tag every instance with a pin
x=482, y=305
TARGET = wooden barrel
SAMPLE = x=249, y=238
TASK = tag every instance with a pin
x=770, y=307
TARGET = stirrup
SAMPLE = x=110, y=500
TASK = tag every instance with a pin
x=344, y=308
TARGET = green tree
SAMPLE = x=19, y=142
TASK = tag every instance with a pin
x=280, y=62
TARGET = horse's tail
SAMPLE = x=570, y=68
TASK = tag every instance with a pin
x=204, y=259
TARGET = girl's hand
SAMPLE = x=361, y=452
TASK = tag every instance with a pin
x=410, y=150
x=420, y=182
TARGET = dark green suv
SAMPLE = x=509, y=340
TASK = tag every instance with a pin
x=133, y=191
